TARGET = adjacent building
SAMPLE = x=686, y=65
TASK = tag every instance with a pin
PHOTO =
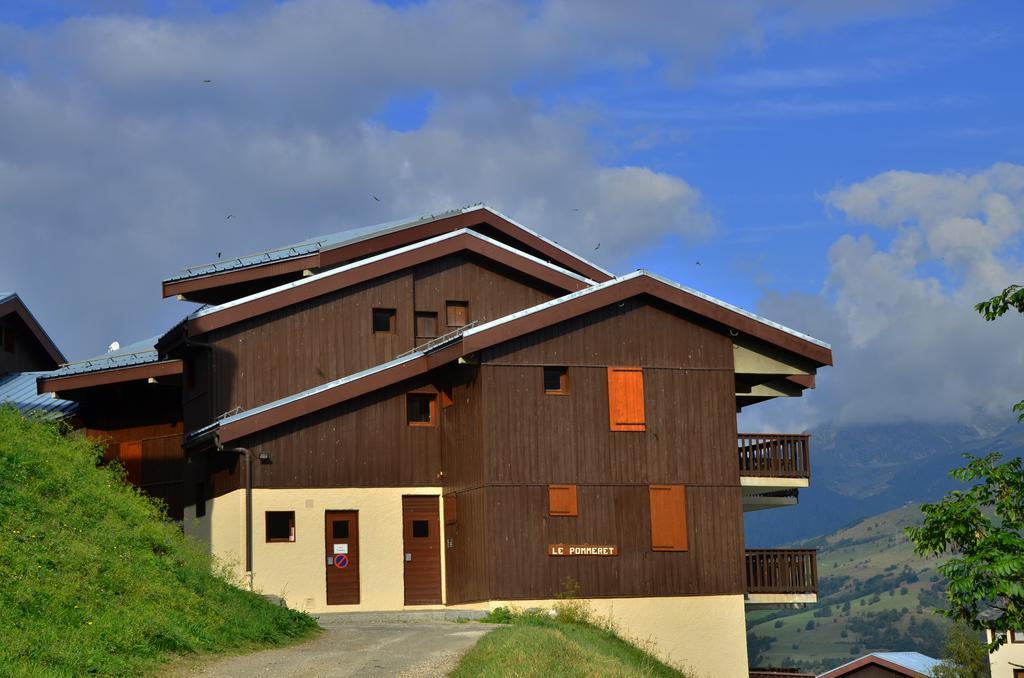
x=455, y=412
x=1008, y=660
x=887, y=665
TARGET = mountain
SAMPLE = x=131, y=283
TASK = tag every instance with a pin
x=859, y=471
x=875, y=595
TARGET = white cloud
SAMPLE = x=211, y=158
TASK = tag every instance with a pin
x=906, y=339
x=119, y=165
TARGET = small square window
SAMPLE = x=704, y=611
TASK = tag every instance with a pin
x=339, y=529
x=426, y=324
x=383, y=321
x=556, y=380
x=457, y=313
x=280, y=526
x=420, y=528
x=421, y=409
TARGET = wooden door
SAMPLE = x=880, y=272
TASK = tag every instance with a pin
x=421, y=533
x=342, y=557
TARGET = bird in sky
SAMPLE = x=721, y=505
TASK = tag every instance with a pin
x=698, y=263
x=575, y=209
x=598, y=246
x=376, y=198
x=218, y=254
x=207, y=82
x=229, y=216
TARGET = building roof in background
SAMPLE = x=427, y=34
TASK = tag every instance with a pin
x=343, y=239
x=139, y=353
x=912, y=664
x=19, y=389
x=10, y=302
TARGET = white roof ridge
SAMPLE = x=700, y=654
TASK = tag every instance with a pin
x=381, y=257
x=636, y=274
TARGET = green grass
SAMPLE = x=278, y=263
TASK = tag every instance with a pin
x=538, y=645
x=95, y=580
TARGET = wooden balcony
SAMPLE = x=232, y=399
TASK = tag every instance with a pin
x=782, y=571
x=774, y=455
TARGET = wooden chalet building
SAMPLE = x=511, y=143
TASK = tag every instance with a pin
x=454, y=412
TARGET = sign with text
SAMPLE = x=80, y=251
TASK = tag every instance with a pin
x=582, y=550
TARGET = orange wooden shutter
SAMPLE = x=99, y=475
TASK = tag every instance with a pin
x=626, y=399
x=450, y=504
x=562, y=500
x=668, y=518
x=130, y=455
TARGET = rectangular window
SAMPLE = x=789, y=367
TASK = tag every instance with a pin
x=339, y=529
x=421, y=409
x=668, y=518
x=457, y=313
x=383, y=321
x=626, y=399
x=426, y=324
x=200, y=500
x=556, y=380
x=280, y=526
x=420, y=528
x=450, y=509
x=1017, y=636
x=562, y=500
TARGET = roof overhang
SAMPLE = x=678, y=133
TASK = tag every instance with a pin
x=413, y=231
x=71, y=382
x=872, y=660
x=463, y=240
x=504, y=329
x=14, y=304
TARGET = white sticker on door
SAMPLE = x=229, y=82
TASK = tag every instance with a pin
x=340, y=548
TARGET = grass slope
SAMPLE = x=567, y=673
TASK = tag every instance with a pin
x=875, y=594
x=95, y=580
x=538, y=645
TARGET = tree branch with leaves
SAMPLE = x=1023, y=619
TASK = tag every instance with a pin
x=982, y=528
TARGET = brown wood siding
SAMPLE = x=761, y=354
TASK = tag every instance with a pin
x=462, y=426
x=145, y=413
x=691, y=421
x=19, y=348
x=277, y=354
x=362, y=443
x=521, y=531
x=467, y=550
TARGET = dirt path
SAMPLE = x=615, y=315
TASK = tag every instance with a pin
x=354, y=649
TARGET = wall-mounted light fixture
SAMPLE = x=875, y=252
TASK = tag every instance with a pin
x=264, y=457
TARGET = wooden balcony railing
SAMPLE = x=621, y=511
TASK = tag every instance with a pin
x=782, y=571
x=774, y=455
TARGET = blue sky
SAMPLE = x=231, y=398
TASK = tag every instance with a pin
x=762, y=140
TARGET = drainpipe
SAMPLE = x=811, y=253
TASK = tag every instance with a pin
x=247, y=454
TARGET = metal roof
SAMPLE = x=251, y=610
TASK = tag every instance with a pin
x=19, y=389
x=630, y=276
x=342, y=238
x=206, y=310
x=915, y=661
x=139, y=353
x=4, y=296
